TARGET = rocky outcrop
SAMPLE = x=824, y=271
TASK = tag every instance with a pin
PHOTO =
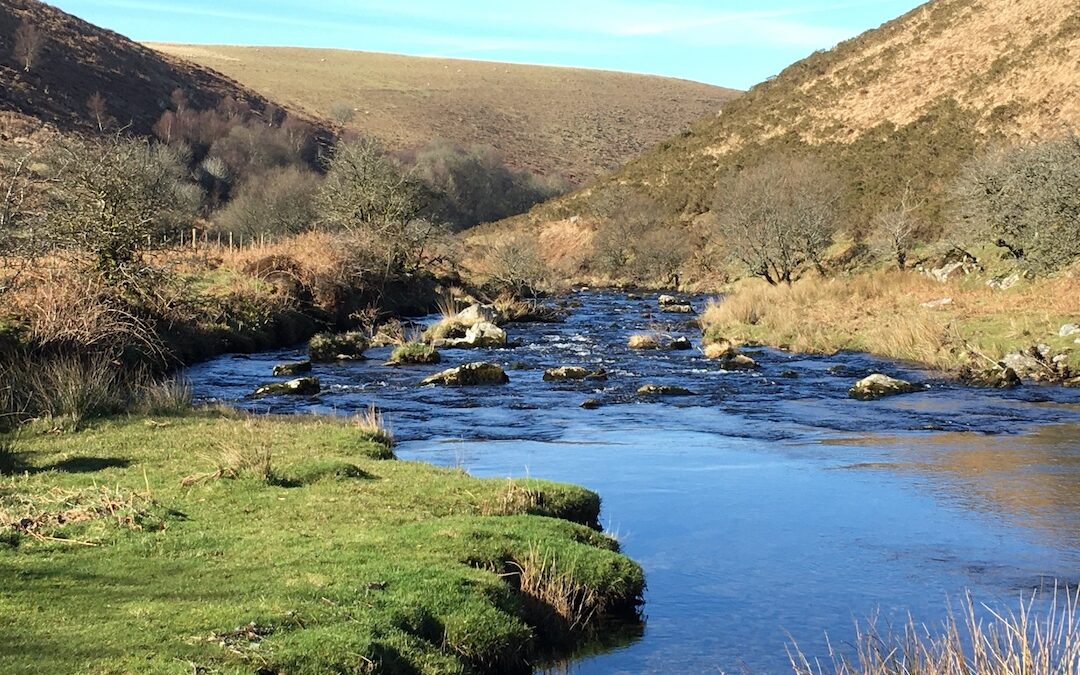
x=663, y=390
x=292, y=369
x=301, y=386
x=327, y=347
x=880, y=386
x=570, y=373
x=469, y=375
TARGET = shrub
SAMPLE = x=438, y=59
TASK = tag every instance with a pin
x=515, y=264
x=1027, y=200
x=279, y=202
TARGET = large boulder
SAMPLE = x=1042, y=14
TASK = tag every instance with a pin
x=643, y=342
x=663, y=390
x=474, y=314
x=879, y=386
x=469, y=375
x=326, y=347
x=568, y=373
x=301, y=386
x=477, y=336
x=292, y=369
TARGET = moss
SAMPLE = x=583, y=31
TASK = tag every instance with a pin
x=414, y=353
x=343, y=563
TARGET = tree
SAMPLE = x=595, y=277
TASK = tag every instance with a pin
x=778, y=216
x=99, y=111
x=367, y=195
x=29, y=40
x=895, y=229
x=627, y=220
x=116, y=198
x=280, y=202
x=515, y=263
x=1027, y=200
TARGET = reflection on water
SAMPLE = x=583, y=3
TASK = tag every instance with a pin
x=764, y=508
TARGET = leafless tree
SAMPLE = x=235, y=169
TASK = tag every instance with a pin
x=342, y=112
x=627, y=218
x=367, y=195
x=99, y=111
x=515, y=263
x=29, y=40
x=895, y=229
x=777, y=217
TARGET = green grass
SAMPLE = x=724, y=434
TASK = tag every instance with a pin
x=217, y=542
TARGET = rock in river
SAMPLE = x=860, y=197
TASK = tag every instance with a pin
x=474, y=314
x=879, y=386
x=991, y=378
x=566, y=373
x=643, y=342
x=480, y=335
x=337, y=347
x=292, y=369
x=469, y=375
x=663, y=390
x=301, y=386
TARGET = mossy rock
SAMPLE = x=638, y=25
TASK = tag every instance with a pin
x=301, y=386
x=879, y=386
x=329, y=347
x=470, y=375
x=414, y=353
x=663, y=390
x=292, y=369
x=570, y=373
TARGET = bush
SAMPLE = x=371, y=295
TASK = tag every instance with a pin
x=279, y=202
x=1027, y=200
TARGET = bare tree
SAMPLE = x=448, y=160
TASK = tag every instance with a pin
x=29, y=41
x=99, y=111
x=895, y=229
x=777, y=217
x=627, y=218
x=366, y=194
x=515, y=263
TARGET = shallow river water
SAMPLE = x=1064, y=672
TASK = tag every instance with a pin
x=764, y=509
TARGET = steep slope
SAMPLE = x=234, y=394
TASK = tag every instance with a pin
x=903, y=105
x=78, y=60
x=575, y=122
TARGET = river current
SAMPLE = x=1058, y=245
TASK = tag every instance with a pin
x=768, y=507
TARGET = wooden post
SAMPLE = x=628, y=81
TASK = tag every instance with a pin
x=194, y=239
x=230, y=240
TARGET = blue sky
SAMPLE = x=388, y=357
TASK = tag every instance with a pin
x=722, y=42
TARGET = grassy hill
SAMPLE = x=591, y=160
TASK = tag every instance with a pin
x=575, y=122
x=77, y=60
x=904, y=105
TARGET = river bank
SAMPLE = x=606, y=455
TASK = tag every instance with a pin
x=224, y=542
x=957, y=326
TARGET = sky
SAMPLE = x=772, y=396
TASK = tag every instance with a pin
x=722, y=42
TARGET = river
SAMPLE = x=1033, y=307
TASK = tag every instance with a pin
x=766, y=508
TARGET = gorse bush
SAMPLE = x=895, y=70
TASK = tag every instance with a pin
x=1027, y=200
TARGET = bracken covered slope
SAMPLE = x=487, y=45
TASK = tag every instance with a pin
x=574, y=122
x=903, y=105
x=78, y=60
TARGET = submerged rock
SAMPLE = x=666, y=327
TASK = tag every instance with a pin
x=591, y=404
x=879, y=386
x=326, y=347
x=566, y=373
x=290, y=369
x=663, y=390
x=469, y=375
x=301, y=386
x=990, y=378
x=790, y=375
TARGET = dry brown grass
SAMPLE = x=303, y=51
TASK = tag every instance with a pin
x=547, y=120
x=540, y=577
x=372, y=423
x=883, y=313
x=1014, y=643
x=246, y=456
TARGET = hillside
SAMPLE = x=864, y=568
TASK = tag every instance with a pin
x=579, y=123
x=76, y=60
x=906, y=104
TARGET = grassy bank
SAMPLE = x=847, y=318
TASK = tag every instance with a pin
x=901, y=315
x=211, y=542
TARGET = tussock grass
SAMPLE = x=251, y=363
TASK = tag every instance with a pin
x=882, y=312
x=373, y=426
x=1011, y=643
